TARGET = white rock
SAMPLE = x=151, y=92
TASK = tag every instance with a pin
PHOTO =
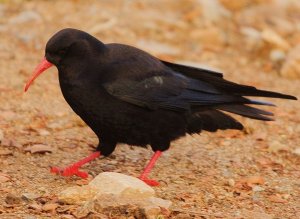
x=120, y=184
x=257, y=189
x=39, y=148
x=43, y=132
x=231, y=182
x=160, y=202
x=151, y=207
x=213, y=11
x=107, y=183
x=77, y=194
x=116, y=191
x=277, y=55
x=30, y=196
x=25, y=16
x=282, y=26
x=297, y=151
x=251, y=33
x=276, y=146
x=275, y=39
x=152, y=211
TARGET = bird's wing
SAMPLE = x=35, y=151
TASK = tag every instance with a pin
x=169, y=90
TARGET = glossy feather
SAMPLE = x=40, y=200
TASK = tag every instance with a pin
x=127, y=95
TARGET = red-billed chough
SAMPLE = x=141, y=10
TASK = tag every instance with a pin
x=128, y=96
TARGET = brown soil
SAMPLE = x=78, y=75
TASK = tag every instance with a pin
x=228, y=174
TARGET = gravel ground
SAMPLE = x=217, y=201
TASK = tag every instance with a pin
x=227, y=174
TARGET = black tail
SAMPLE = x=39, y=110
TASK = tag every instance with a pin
x=247, y=111
x=236, y=104
x=211, y=120
x=216, y=79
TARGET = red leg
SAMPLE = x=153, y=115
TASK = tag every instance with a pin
x=148, y=168
x=74, y=168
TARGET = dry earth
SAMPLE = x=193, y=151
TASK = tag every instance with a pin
x=228, y=174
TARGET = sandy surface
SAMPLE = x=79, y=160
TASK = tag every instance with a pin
x=228, y=174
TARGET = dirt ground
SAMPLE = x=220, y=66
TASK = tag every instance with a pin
x=228, y=174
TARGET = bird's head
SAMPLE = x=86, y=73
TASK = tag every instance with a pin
x=65, y=45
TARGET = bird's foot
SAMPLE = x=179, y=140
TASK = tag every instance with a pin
x=69, y=171
x=73, y=170
x=150, y=182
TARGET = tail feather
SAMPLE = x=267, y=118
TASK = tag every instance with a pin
x=215, y=94
x=247, y=111
x=211, y=120
x=245, y=90
x=258, y=102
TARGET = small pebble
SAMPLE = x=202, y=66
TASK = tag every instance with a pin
x=231, y=182
x=257, y=189
x=29, y=196
x=277, y=55
x=297, y=151
x=49, y=207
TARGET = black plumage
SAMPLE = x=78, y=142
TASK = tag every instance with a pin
x=127, y=95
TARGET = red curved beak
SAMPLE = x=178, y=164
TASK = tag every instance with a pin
x=44, y=65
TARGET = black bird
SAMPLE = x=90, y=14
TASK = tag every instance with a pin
x=129, y=96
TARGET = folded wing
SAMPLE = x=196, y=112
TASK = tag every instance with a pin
x=201, y=93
